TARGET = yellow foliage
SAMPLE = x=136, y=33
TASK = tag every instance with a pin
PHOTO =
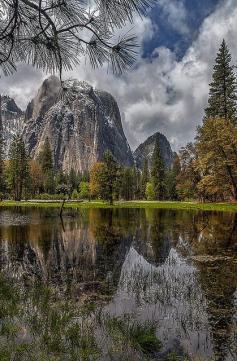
x=96, y=175
x=217, y=158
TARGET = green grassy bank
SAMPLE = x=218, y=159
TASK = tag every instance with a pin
x=225, y=207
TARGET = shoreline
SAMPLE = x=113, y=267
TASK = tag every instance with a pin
x=221, y=207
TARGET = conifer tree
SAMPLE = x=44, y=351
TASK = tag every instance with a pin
x=127, y=184
x=2, y=180
x=45, y=157
x=18, y=168
x=46, y=162
x=144, y=178
x=172, y=179
x=223, y=88
x=136, y=176
x=158, y=172
x=73, y=180
x=1, y=150
x=109, y=177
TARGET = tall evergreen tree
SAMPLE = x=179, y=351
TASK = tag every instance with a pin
x=73, y=180
x=136, y=176
x=18, y=168
x=45, y=157
x=2, y=178
x=110, y=176
x=158, y=172
x=1, y=150
x=46, y=162
x=223, y=88
x=144, y=178
x=172, y=180
x=127, y=184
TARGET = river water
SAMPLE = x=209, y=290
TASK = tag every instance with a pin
x=121, y=284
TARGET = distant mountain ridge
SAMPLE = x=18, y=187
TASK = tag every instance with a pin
x=80, y=125
x=10, y=110
x=146, y=149
x=12, y=121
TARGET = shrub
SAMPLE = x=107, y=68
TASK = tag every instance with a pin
x=150, y=193
x=84, y=190
x=75, y=194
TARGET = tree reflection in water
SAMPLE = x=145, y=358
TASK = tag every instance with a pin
x=108, y=283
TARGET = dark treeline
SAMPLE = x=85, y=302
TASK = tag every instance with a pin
x=25, y=178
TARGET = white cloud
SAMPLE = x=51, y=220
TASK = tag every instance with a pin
x=22, y=85
x=161, y=94
x=175, y=13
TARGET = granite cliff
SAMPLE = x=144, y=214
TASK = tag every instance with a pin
x=146, y=149
x=80, y=122
x=11, y=121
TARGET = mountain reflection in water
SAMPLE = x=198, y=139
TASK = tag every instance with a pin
x=175, y=271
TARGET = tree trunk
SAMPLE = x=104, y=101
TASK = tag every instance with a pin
x=61, y=210
x=229, y=172
x=1, y=126
x=111, y=195
x=234, y=192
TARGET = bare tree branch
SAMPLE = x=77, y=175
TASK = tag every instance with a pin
x=54, y=34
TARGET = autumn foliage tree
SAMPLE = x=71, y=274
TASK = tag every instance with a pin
x=217, y=159
x=97, y=175
x=36, y=177
x=189, y=175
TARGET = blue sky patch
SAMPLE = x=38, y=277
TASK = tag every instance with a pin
x=172, y=37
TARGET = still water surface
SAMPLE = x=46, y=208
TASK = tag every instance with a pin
x=124, y=284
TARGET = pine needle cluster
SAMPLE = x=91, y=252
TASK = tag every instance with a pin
x=55, y=34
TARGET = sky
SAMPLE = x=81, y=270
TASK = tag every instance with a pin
x=167, y=89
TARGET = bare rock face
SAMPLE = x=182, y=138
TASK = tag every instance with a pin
x=12, y=122
x=9, y=108
x=45, y=99
x=81, y=123
x=146, y=149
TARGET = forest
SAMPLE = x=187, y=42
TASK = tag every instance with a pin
x=205, y=170
x=134, y=259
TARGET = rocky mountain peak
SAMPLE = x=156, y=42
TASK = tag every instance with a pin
x=12, y=121
x=146, y=149
x=80, y=122
x=10, y=110
x=45, y=98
